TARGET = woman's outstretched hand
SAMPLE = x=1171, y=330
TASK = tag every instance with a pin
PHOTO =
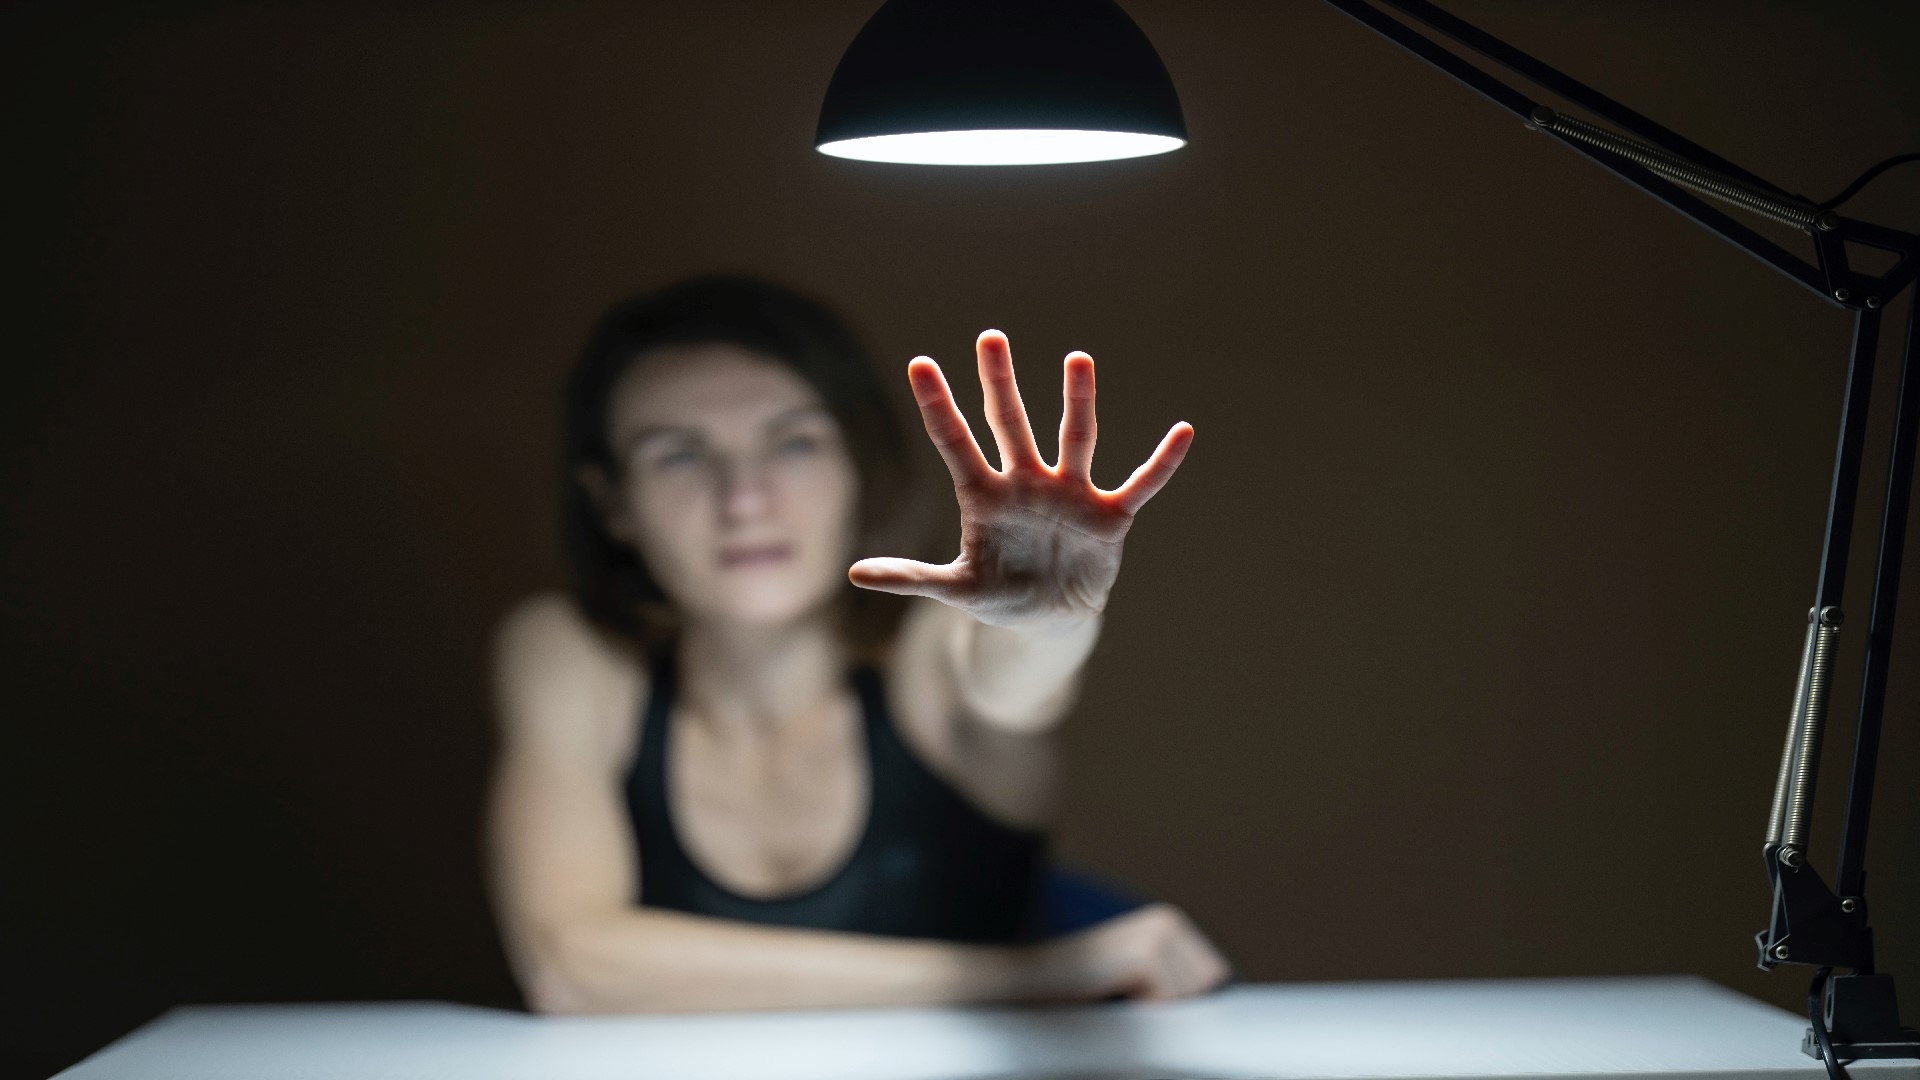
x=1039, y=544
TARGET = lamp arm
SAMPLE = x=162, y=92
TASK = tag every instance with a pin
x=1830, y=276
x=1810, y=923
x=1850, y=878
x=1539, y=74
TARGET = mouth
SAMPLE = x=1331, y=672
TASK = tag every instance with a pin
x=745, y=556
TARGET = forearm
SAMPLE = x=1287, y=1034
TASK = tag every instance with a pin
x=648, y=960
x=1020, y=677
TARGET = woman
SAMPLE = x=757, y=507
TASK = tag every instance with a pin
x=727, y=779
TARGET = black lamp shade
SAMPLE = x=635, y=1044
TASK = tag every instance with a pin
x=1000, y=82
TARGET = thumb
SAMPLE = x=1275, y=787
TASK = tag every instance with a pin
x=906, y=577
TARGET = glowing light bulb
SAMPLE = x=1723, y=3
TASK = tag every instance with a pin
x=1001, y=147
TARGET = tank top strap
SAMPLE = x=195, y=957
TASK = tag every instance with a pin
x=873, y=702
x=663, y=677
x=647, y=780
x=903, y=788
x=894, y=771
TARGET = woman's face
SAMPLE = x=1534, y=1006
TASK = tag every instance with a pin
x=732, y=482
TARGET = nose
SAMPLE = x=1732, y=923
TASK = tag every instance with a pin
x=746, y=492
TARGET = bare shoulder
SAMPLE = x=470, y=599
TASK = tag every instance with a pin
x=548, y=628
x=1008, y=775
x=561, y=682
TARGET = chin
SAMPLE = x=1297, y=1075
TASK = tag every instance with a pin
x=770, y=605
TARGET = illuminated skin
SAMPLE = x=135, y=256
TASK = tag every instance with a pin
x=733, y=482
x=1039, y=543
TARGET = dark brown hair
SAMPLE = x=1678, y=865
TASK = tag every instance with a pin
x=612, y=585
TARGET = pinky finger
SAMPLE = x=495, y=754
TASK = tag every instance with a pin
x=1150, y=477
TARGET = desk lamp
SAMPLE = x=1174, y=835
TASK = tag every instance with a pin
x=1025, y=82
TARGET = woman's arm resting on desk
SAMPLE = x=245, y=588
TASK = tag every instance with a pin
x=642, y=960
x=564, y=866
x=1039, y=544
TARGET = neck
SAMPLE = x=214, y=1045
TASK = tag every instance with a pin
x=759, y=680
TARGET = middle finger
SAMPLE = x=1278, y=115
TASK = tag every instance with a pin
x=1006, y=413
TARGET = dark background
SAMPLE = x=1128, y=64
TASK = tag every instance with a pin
x=1461, y=647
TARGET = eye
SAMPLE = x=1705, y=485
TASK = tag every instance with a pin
x=797, y=444
x=681, y=458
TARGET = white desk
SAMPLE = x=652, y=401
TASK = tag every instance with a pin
x=1658, y=1027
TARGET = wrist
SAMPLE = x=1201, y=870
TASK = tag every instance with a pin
x=1028, y=973
x=1054, y=627
x=997, y=973
x=1019, y=678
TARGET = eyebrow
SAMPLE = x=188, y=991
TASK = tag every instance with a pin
x=646, y=434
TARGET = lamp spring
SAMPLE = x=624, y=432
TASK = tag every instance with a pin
x=1783, y=782
x=1806, y=748
x=1714, y=185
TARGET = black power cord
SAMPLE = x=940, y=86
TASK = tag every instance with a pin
x=1820, y=1033
x=1866, y=178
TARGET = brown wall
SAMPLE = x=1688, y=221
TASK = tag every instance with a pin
x=1461, y=647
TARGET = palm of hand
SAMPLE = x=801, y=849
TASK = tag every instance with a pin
x=1039, y=543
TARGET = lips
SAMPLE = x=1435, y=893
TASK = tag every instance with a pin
x=745, y=556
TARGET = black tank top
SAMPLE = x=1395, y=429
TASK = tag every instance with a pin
x=928, y=863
